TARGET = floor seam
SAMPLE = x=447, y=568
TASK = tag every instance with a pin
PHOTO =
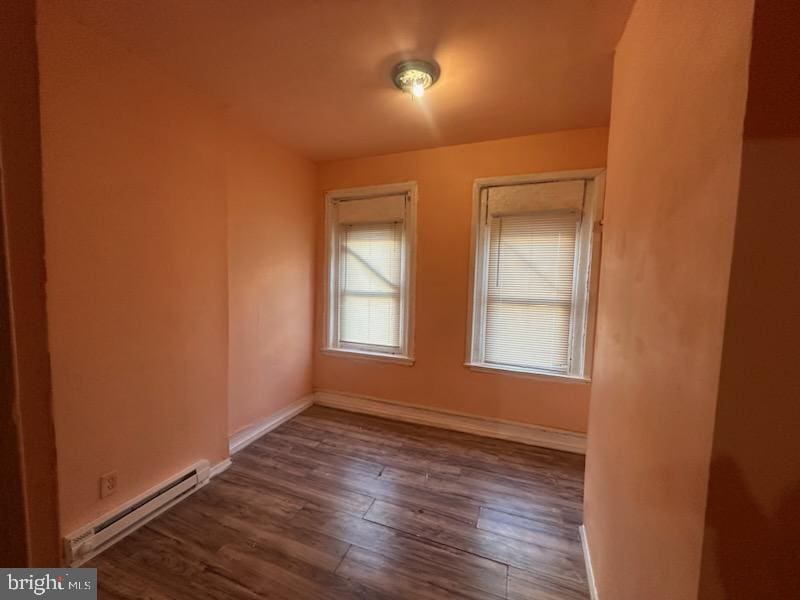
x=369, y=508
x=341, y=560
x=437, y=543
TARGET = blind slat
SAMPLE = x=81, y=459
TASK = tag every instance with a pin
x=531, y=264
x=369, y=294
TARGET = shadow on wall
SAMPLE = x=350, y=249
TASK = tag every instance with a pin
x=757, y=555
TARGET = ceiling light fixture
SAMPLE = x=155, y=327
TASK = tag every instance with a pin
x=415, y=76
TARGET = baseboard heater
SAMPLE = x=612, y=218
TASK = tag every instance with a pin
x=90, y=540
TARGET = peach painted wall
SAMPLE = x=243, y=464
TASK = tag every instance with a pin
x=135, y=230
x=439, y=378
x=180, y=257
x=270, y=270
x=674, y=155
x=167, y=221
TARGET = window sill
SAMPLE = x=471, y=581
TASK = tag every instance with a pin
x=376, y=356
x=528, y=373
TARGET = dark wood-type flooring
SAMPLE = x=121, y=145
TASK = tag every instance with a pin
x=334, y=505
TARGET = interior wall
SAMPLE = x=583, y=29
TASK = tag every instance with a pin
x=28, y=493
x=135, y=229
x=174, y=232
x=13, y=527
x=752, y=531
x=270, y=270
x=439, y=379
x=674, y=156
x=755, y=468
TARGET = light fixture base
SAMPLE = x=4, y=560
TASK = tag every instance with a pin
x=415, y=76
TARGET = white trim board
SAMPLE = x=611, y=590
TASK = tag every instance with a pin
x=587, y=256
x=587, y=557
x=247, y=436
x=533, y=435
x=334, y=199
x=220, y=467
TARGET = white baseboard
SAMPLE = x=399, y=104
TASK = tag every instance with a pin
x=587, y=557
x=505, y=430
x=220, y=467
x=246, y=436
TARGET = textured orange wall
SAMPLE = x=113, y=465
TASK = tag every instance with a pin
x=270, y=258
x=173, y=232
x=134, y=182
x=674, y=155
x=439, y=378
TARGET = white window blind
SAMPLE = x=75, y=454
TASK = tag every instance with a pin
x=532, y=264
x=370, y=279
x=529, y=296
x=370, y=256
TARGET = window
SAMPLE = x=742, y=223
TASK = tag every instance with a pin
x=532, y=309
x=370, y=257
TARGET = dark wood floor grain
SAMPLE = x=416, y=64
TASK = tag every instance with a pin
x=337, y=505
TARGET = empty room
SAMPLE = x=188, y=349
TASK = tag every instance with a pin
x=400, y=299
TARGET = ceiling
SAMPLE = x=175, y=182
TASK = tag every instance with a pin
x=315, y=74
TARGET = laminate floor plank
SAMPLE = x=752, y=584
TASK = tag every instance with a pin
x=246, y=495
x=410, y=555
x=221, y=530
x=317, y=457
x=417, y=461
x=387, y=574
x=411, y=435
x=288, y=437
x=530, y=530
x=370, y=478
x=527, y=585
x=118, y=583
x=450, y=532
x=494, y=456
x=334, y=505
x=308, y=487
x=179, y=570
x=271, y=574
x=513, y=497
x=380, y=487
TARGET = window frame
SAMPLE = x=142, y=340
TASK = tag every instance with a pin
x=331, y=344
x=586, y=274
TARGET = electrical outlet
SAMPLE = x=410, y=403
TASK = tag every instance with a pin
x=108, y=484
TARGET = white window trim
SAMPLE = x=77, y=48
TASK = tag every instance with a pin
x=589, y=262
x=405, y=356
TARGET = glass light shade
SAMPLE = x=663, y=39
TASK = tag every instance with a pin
x=415, y=76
